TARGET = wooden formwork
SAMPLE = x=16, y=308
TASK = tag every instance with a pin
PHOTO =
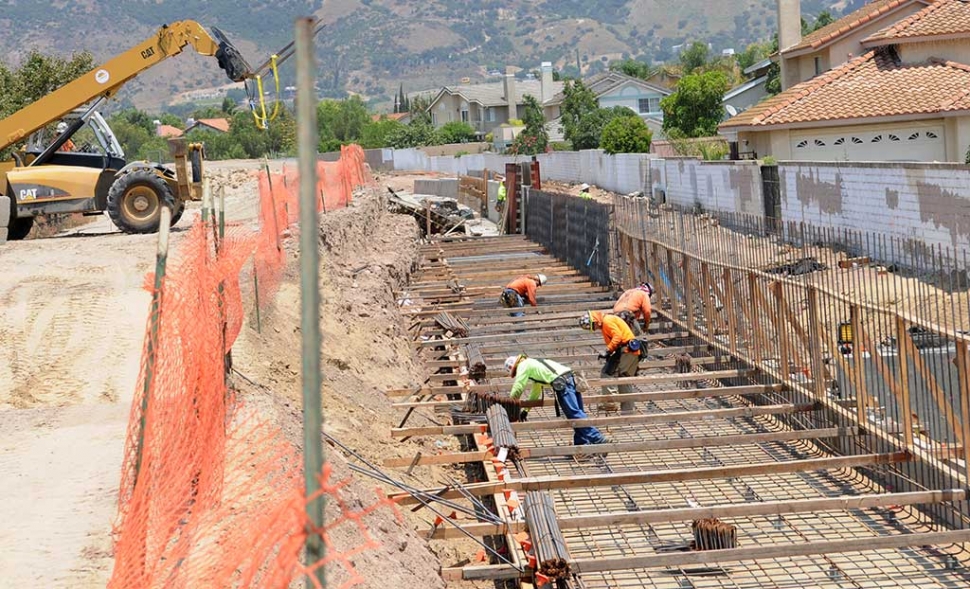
x=724, y=441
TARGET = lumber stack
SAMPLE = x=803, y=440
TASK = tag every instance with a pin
x=450, y=323
x=552, y=556
x=713, y=534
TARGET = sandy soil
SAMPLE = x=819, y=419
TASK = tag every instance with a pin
x=73, y=318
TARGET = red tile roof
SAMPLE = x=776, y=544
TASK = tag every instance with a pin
x=853, y=20
x=872, y=85
x=168, y=131
x=217, y=124
x=394, y=116
x=942, y=18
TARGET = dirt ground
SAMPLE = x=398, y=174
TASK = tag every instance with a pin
x=73, y=317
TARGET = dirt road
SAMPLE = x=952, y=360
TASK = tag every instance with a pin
x=72, y=317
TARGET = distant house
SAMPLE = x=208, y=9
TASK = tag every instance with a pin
x=166, y=131
x=488, y=106
x=744, y=96
x=616, y=89
x=901, y=94
x=218, y=125
x=401, y=117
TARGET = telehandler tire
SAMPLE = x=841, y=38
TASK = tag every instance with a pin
x=19, y=228
x=135, y=201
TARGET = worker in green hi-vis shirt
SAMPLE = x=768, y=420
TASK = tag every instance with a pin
x=541, y=373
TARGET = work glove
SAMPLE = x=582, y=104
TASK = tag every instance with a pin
x=603, y=356
x=523, y=415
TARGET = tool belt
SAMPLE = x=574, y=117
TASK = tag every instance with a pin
x=509, y=298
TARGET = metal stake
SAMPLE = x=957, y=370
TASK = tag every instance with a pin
x=306, y=118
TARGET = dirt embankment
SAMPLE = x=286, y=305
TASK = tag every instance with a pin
x=367, y=253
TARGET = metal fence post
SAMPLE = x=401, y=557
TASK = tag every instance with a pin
x=306, y=119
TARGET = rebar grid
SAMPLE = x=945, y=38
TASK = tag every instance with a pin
x=908, y=567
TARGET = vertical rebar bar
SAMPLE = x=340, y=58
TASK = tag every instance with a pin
x=306, y=119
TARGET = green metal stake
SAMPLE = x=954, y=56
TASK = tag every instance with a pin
x=306, y=124
x=161, y=258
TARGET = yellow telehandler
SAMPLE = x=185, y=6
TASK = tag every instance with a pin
x=71, y=162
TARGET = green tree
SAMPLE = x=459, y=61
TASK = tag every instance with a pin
x=590, y=128
x=626, y=135
x=418, y=107
x=694, y=110
x=631, y=67
x=695, y=56
x=376, y=133
x=534, y=138
x=456, y=132
x=578, y=102
x=417, y=134
x=753, y=53
x=228, y=105
x=352, y=118
x=38, y=76
x=170, y=119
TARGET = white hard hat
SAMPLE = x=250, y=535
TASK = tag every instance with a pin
x=542, y=279
x=510, y=363
x=584, y=186
x=61, y=127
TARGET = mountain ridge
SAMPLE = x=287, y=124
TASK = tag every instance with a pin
x=371, y=47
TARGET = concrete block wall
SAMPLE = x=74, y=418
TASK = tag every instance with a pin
x=928, y=203
x=437, y=186
x=714, y=186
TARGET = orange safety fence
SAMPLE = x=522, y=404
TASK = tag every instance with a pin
x=211, y=495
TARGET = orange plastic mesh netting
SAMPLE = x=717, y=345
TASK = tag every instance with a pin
x=211, y=495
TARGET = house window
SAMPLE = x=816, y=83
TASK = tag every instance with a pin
x=434, y=118
x=818, y=65
x=464, y=116
x=490, y=115
x=648, y=105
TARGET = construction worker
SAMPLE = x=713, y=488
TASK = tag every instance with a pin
x=634, y=304
x=622, y=350
x=541, y=372
x=520, y=290
x=502, y=195
x=584, y=192
x=68, y=145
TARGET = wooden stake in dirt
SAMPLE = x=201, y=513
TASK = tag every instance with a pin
x=151, y=351
x=306, y=119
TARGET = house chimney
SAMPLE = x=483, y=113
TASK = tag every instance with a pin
x=789, y=35
x=510, y=93
x=546, y=80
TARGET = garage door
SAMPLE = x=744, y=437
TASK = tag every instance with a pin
x=903, y=143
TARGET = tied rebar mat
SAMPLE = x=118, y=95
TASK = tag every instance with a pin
x=552, y=556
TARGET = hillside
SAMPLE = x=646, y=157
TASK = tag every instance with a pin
x=371, y=46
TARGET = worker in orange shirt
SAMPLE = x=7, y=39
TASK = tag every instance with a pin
x=634, y=305
x=68, y=145
x=520, y=290
x=622, y=350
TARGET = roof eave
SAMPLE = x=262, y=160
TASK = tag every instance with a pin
x=841, y=122
x=882, y=42
x=793, y=52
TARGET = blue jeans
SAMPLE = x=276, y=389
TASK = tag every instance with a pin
x=520, y=302
x=571, y=403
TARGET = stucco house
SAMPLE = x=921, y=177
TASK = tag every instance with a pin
x=899, y=89
x=487, y=106
x=616, y=89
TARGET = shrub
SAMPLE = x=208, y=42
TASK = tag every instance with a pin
x=456, y=132
x=626, y=135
